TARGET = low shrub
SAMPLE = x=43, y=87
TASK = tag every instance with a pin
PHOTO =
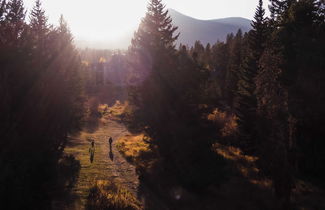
x=108, y=195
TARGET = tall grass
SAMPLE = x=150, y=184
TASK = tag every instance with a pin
x=109, y=195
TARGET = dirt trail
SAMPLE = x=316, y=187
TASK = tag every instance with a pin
x=106, y=165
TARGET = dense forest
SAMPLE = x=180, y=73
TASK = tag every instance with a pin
x=41, y=103
x=262, y=92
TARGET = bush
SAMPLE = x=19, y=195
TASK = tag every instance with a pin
x=69, y=169
x=107, y=195
x=225, y=123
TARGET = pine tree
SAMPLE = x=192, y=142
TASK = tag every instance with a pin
x=41, y=104
x=246, y=104
x=220, y=59
x=38, y=36
x=14, y=22
x=38, y=21
x=198, y=52
x=272, y=143
x=288, y=83
x=302, y=76
x=279, y=9
x=153, y=53
x=167, y=97
x=2, y=10
x=3, y=7
x=257, y=36
x=272, y=118
x=207, y=57
x=234, y=67
x=156, y=31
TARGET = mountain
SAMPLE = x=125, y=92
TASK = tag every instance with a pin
x=207, y=31
x=191, y=29
x=235, y=21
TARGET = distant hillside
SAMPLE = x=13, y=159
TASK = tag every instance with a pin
x=235, y=21
x=207, y=31
x=191, y=29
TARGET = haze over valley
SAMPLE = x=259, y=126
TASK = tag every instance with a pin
x=190, y=29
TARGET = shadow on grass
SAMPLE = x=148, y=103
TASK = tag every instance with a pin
x=193, y=179
x=68, y=173
x=111, y=155
x=200, y=186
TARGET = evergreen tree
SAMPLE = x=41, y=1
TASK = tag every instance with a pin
x=198, y=52
x=2, y=10
x=153, y=53
x=246, y=102
x=304, y=61
x=42, y=103
x=234, y=66
x=279, y=9
x=167, y=99
x=220, y=59
x=272, y=118
x=207, y=57
x=14, y=22
x=296, y=87
x=156, y=31
x=38, y=21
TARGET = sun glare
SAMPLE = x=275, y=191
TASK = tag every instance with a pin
x=96, y=20
x=111, y=23
x=108, y=20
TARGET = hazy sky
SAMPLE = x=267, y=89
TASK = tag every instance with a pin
x=101, y=20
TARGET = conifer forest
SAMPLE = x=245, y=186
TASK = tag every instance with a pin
x=161, y=125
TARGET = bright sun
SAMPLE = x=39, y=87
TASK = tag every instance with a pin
x=96, y=20
x=106, y=20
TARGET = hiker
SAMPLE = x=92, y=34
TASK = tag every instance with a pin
x=92, y=151
x=110, y=140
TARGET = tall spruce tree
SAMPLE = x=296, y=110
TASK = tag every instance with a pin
x=246, y=104
x=272, y=109
x=153, y=53
x=234, y=67
x=304, y=61
x=38, y=21
x=272, y=119
x=15, y=21
x=220, y=57
x=167, y=100
x=156, y=32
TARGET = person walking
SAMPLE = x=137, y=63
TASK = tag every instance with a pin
x=92, y=151
x=110, y=140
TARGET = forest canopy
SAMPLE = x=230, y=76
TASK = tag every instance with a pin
x=261, y=92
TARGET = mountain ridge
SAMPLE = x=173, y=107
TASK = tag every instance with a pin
x=191, y=29
x=206, y=31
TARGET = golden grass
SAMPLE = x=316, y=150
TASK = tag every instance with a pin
x=118, y=108
x=233, y=153
x=307, y=196
x=245, y=164
x=111, y=195
x=114, y=112
x=101, y=168
x=103, y=109
x=131, y=146
x=227, y=122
